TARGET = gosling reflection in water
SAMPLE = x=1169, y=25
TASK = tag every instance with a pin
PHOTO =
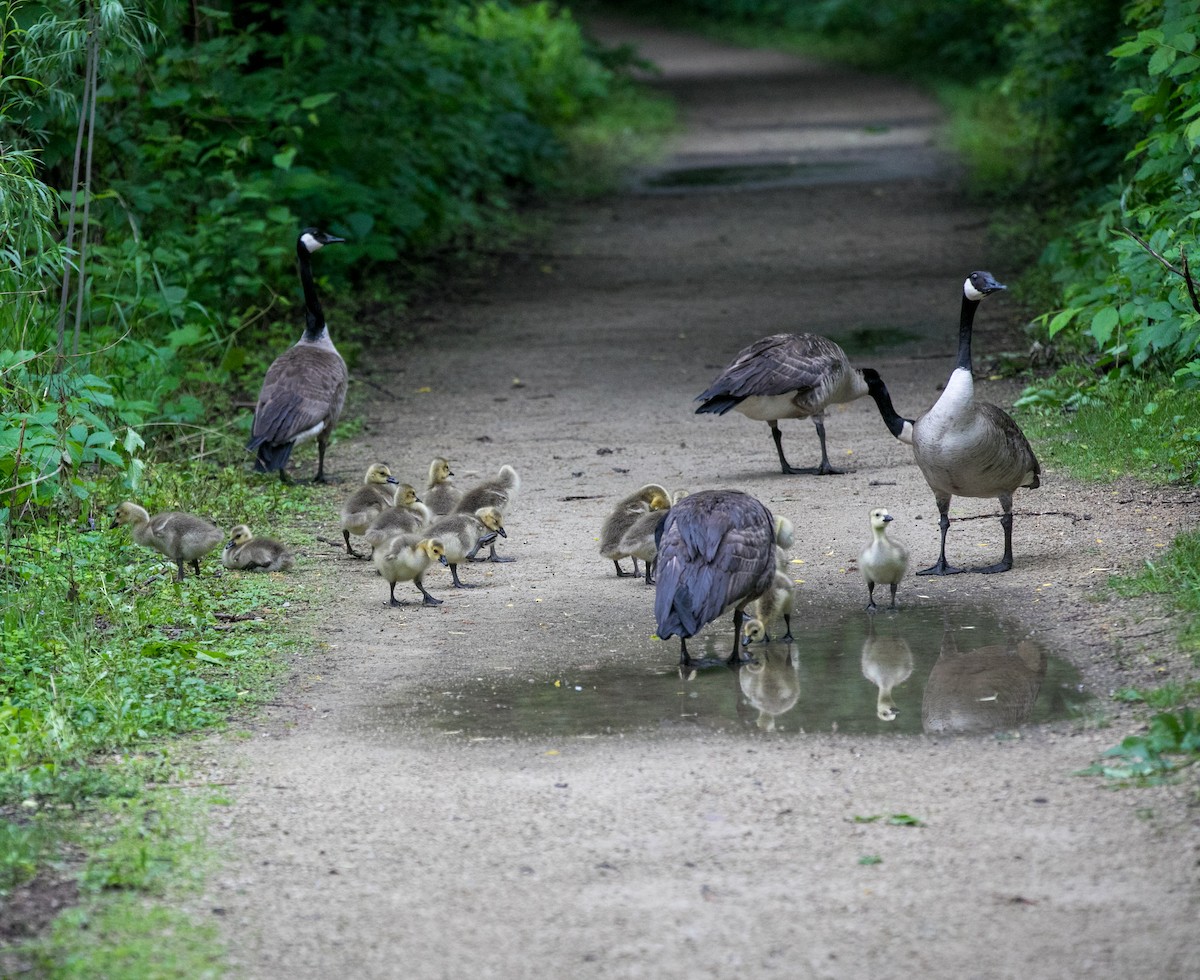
x=887, y=662
x=770, y=682
x=982, y=690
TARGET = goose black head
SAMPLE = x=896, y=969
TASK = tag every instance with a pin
x=980, y=284
x=312, y=239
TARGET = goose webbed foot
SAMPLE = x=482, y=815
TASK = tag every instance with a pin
x=429, y=599
x=492, y=556
x=349, y=547
x=787, y=637
x=458, y=583
x=621, y=573
x=1003, y=565
x=826, y=470
x=941, y=568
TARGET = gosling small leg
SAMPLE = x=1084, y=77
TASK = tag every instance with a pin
x=458, y=583
x=621, y=573
x=394, y=601
x=429, y=600
x=787, y=624
x=893, y=605
x=649, y=571
x=871, y=607
x=350, y=550
x=179, y=567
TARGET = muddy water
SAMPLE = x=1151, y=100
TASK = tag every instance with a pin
x=918, y=670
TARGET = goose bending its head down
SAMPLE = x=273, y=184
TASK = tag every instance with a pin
x=404, y=559
x=367, y=502
x=651, y=498
x=884, y=561
x=248, y=553
x=786, y=376
x=441, y=495
x=305, y=387
x=964, y=446
x=181, y=537
x=641, y=539
x=407, y=515
x=499, y=492
x=463, y=534
x=716, y=550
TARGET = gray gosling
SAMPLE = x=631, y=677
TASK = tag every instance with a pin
x=640, y=541
x=500, y=492
x=181, y=537
x=649, y=499
x=405, y=559
x=367, y=502
x=250, y=554
x=441, y=496
x=462, y=535
x=884, y=561
x=406, y=516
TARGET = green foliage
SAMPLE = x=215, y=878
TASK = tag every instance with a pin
x=1171, y=743
x=1177, y=576
x=1172, y=694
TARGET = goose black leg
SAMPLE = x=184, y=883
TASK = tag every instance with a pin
x=684, y=659
x=196, y=566
x=788, y=469
x=1006, y=522
x=429, y=600
x=621, y=573
x=649, y=571
x=349, y=549
x=787, y=624
x=320, y=477
x=893, y=605
x=941, y=568
x=871, y=607
x=735, y=658
x=458, y=584
x=824, y=469
x=179, y=566
x=394, y=601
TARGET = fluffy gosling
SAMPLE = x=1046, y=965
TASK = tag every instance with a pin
x=405, y=559
x=181, y=537
x=366, y=503
x=442, y=496
x=250, y=554
x=883, y=560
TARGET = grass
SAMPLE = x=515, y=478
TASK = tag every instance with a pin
x=1176, y=576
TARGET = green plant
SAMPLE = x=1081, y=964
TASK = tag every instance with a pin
x=1171, y=743
x=1177, y=575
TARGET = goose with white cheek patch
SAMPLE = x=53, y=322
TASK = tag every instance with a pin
x=962, y=445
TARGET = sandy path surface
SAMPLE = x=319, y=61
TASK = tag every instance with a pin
x=370, y=837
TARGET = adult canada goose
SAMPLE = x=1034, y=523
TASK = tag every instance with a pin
x=786, y=376
x=640, y=540
x=462, y=534
x=964, y=446
x=884, y=560
x=367, y=502
x=716, y=550
x=407, y=515
x=645, y=499
x=887, y=662
x=441, y=496
x=404, y=559
x=305, y=387
x=181, y=537
x=499, y=492
x=246, y=552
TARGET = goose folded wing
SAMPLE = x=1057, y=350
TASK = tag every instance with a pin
x=297, y=402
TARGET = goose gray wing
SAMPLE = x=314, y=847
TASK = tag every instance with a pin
x=776, y=365
x=716, y=548
x=1011, y=447
x=306, y=385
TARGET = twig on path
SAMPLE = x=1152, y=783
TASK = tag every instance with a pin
x=382, y=390
x=1075, y=518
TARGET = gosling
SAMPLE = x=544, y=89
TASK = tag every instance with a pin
x=251, y=554
x=181, y=537
x=641, y=540
x=463, y=534
x=883, y=560
x=442, y=496
x=366, y=503
x=405, y=559
x=500, y=492
x=407, y=516
x=628, y=511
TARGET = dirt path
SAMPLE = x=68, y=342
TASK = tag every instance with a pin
x=364, y=841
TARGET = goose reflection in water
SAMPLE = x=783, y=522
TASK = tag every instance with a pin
x=982, y=690
x=887, y=662
x=771, y=682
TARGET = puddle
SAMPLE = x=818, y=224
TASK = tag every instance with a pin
x=918, y=670
x=747, y=175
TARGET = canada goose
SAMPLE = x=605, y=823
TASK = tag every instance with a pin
x=500, y=492
x=770, y=682
x=407, y=515
x=982, y=690
x=887, y=662
x=884, y=560
x=646, y=499
x=181, y=537
x=786, y=376
x=367, y=502
x=305, y=387
x=963, y=446
x=404, y=559
x=441, y=496
x=640, y=540
x=716, y=549
x=462, y=534
x=248, y=553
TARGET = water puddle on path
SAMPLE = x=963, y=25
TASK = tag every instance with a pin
x=919, y=670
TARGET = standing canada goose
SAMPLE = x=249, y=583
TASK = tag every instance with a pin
x=786, y=376
x=441, y=496
x=641, y=539
x=367, y=502
x=716, y=550
x=181, y=537
x=250, y=554
x=643, y=500
x=887, y=662
x=305, y=387
x=499, y=492
x=404, y=559
x=407, y=515
x=462, y=534
x=963, y=446
x=884, y=560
